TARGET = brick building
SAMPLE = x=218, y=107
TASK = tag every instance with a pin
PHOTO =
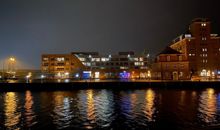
x=201, y=48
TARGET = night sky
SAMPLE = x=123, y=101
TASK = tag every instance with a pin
x=29, y=28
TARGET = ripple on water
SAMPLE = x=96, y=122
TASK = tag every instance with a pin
x=111, y=109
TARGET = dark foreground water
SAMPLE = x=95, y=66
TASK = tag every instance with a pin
x=111, y=109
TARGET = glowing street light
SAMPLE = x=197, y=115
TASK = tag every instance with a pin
x=12, y=59
x=28, y=77
x=42, y=77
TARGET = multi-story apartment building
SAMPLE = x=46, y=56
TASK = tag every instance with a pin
x=60, y=65
x=93, y=65
x=201, y=48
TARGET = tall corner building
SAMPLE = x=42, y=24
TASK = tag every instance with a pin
x=200, y=47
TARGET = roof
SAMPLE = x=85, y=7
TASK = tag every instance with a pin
x=169, y=50
x=201, y=20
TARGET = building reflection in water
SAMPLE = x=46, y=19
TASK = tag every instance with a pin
x=29, y=113
x=62, y=114
x=12, y=115
x=208, y=106
x=150, y=107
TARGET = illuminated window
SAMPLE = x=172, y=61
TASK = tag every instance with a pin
x=204, y=61
x=138, y=63
x=87, y=64
x=82, y=59
x=190, y=54
x=129, y=55
x=141, y=59
x=45, y=59
x=95, y=59
x=181, y=74
x=136, y=59
x=104, y=59
x=203, y=38
x=60, y=59
x=203, y=24
x=204, y=49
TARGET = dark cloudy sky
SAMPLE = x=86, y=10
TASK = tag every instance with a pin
x=29, y=28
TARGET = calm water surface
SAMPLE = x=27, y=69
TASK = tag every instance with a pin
x=111, y=109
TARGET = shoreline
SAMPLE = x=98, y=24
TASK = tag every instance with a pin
x=47, y=86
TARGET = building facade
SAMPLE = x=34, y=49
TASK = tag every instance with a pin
x=92, y=65
x=171, y=65
x=60, y=65
x=201, y=49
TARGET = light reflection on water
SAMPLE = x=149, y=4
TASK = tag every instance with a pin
x=12, y=115
x=111, y=109
x=29, y=113
x=208, y=106
x=150, y=108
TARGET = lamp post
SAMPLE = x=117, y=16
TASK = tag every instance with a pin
x=11, y=66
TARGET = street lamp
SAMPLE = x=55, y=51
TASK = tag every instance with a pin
x=12, y=59
x=11, y=66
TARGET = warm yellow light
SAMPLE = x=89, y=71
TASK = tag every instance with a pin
x=12, y=59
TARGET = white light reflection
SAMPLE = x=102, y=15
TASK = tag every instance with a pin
x=62, y=113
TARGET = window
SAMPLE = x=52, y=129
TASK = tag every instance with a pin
x=60, y=64
x=136, y=59
x=168, y=58
x=203, y=38
x=104, y=59
x=96, y=59
x=204, y=49
x=204, y=61
x=46, y=64
x=138, y=63
x=166, y=66
x=45, y=59
x=60, y=59
x=158, y=58
x=203, y=24
x=82, y=59
x=180, y=58
x=181, y=74
x=141, y=59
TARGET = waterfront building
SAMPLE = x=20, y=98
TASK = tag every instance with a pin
x=171, y=65
x=200, y=47
x=93, y=65
x=60, y=65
